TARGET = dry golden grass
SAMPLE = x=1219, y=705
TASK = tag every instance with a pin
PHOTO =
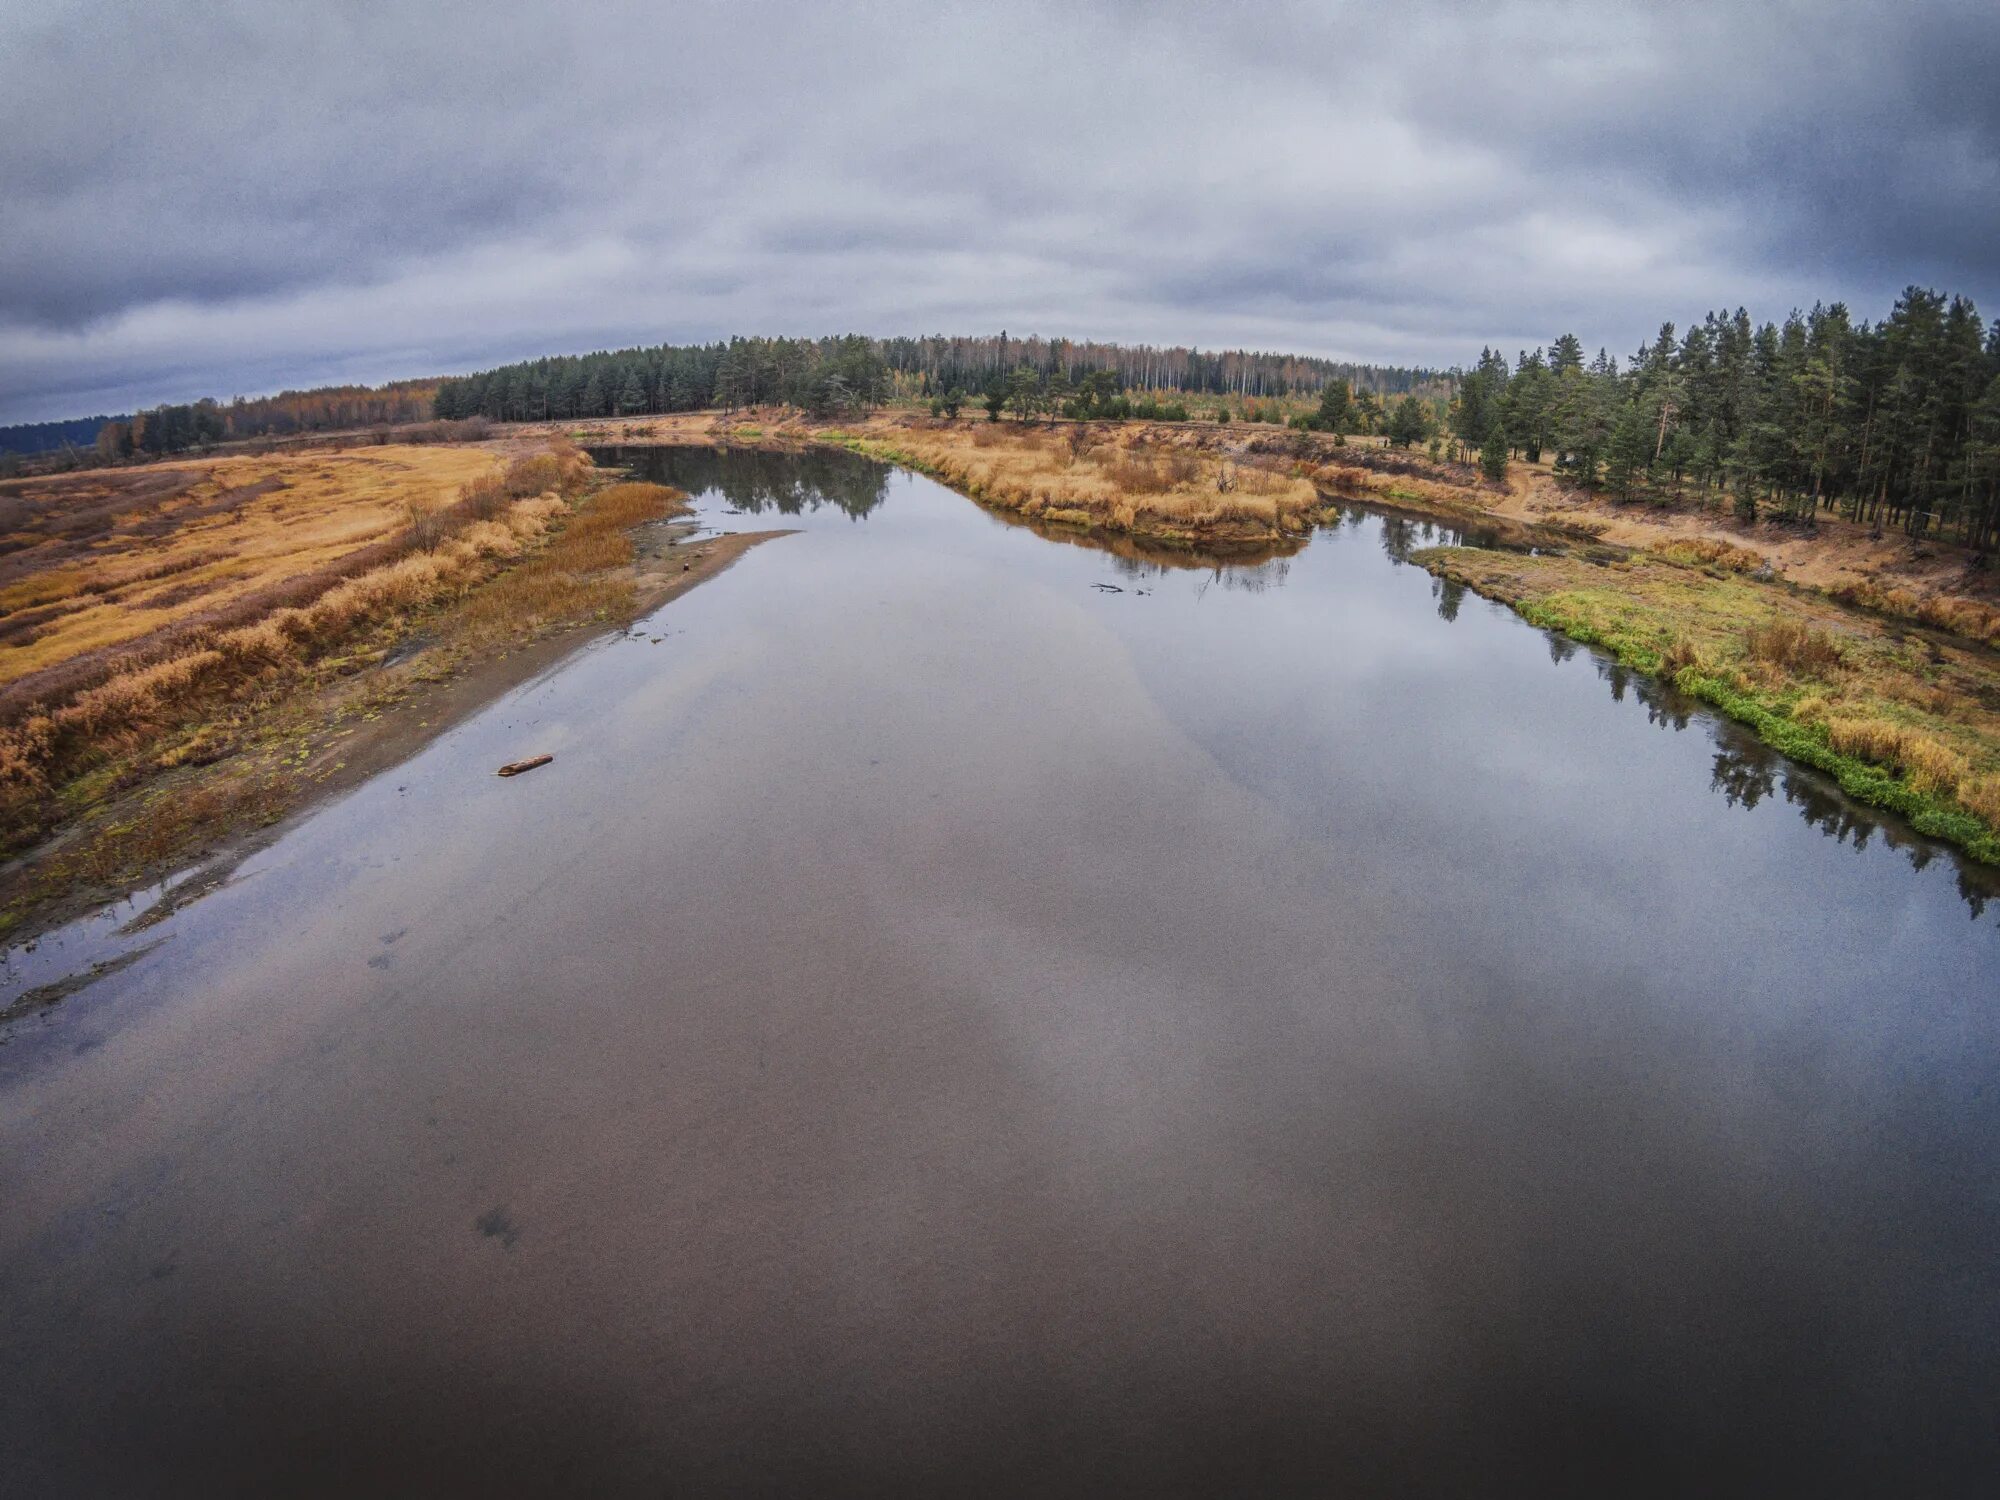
x=1971, y=618
x=1981, y=794
x=1708, y=552
x=87, y=719
x=576, y=574
x=1123, y=479
x=1917, y=758
x=203, y=744
x=1402, y=482
x=222, y=528
x=1799, y=648
x=1678, y=653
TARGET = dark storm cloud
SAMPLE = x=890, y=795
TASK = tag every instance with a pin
x=227, y=198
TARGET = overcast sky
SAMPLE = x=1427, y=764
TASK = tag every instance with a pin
x=221, y=199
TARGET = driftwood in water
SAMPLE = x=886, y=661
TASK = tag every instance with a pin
x=516, y=767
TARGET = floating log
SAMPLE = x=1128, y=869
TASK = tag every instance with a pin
x=516, y=767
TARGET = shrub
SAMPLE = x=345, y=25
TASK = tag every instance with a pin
x=536, y=474
x=1919, y=759
x=1680, y=652
x=1137, y=476
x=426, y=528
x=484, y=498
x=1967, y=617
x=1799, y=648
x=1710, y=552
x=1981, y=796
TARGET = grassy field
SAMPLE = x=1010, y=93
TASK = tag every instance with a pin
x=107, y=556
x=147, y=728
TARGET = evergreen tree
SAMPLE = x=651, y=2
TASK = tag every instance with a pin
x=1409, y=423
x=1528, y=404
x=1629, y=449
x=1336, y=407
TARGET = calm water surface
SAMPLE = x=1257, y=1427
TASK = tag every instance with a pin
x=942, y=1024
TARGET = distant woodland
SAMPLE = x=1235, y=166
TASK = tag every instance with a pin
x=46, y=437
x=173, y=429
x=1895, y=423
x=828, y=375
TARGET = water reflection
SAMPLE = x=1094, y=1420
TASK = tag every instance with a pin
x=1250, y=566
x=943, y=1019
x=1450, y=594
x=758, y=481
x=1747, y=773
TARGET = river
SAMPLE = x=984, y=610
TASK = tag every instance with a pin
x=973, y=1011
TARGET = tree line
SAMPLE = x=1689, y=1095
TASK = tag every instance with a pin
x=825, y=377
x=46, y=437
x=1894, y=424
x=202, y=424
x=830, y=375
x=1101, y=396
x=936, y=364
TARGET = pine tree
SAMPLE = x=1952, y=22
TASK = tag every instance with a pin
x=1409, y=423
x=1336, y=408
x=1629, y=449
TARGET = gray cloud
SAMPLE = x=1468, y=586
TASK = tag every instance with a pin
x=232, y=198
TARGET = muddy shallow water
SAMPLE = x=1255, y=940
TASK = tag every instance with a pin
x=941, y=1023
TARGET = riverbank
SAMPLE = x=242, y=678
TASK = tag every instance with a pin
x=1109, y=477
x=927, y=971
x=1905, y=718
x=1874, y=664
x=203, y=753
x=1172, y=485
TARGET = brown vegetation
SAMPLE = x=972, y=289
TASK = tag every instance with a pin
x=1797, y=647
x=81, y=549
x=1170, y=483
x=1708, y=552
x=238, y=760
x=78, y=732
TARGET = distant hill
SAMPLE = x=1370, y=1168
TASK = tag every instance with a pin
x=42, y=437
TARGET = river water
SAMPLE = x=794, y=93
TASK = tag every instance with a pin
x=967, y=1010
